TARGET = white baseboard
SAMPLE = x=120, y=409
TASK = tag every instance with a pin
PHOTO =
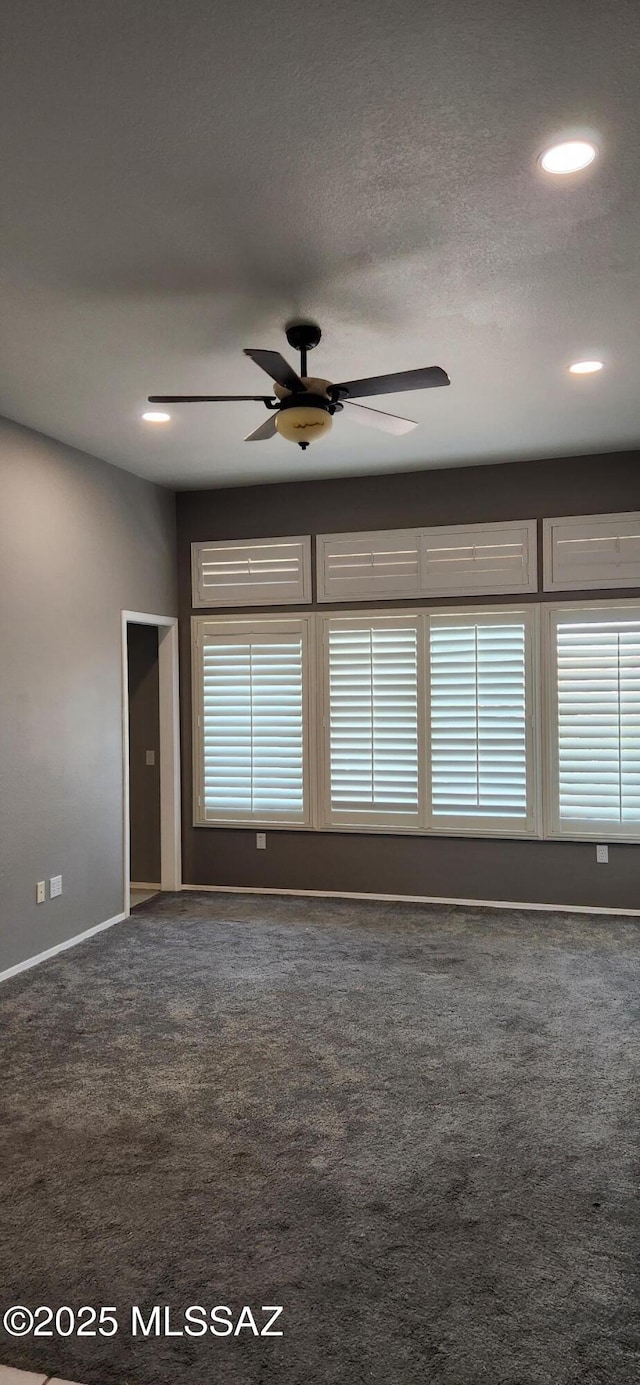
x=416, y=899
x=139, y=885
x=60, y=947
x=323, y=894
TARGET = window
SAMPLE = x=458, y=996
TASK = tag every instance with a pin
x=452, y=751
x=427, y=721
x=481, y=721
x=251, y=572
x=594, y=699
x=463, y=560
x=371, y=718
x=367, y=567
x=450, y=560
x=596, y=551
x=250, y=749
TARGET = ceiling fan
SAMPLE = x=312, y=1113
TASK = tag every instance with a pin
x=304, y=405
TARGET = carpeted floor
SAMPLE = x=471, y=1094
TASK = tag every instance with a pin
x=416, y=1128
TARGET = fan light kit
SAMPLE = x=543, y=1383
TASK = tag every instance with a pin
x=568, y=157
x=155, y=416
x=303, y=423
x=304, y=406
x=585, y=367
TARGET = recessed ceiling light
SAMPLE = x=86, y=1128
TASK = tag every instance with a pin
x=585, y=367
x=155, y=416
x=568, y=157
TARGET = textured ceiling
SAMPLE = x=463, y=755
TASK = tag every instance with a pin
x=179, y=179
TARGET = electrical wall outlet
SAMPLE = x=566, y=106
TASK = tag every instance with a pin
x=602, y=855
x=151, y=757
x=41, y=892
x=55, y=886
x=261, y=841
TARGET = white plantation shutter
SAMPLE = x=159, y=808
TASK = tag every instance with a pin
x=481, y=721
x=252, y=736
x=372, y=670
x=252, y=572
x=582, y=551
x=596, y=699
x=460, y=560
x=451, y=560
x=363, y=567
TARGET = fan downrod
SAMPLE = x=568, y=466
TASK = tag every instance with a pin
x=303, y=336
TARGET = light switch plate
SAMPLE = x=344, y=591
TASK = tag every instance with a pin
x=55, y=886
x=261, y=841
x=151, y=757
x=602, y=855
x=41, y=891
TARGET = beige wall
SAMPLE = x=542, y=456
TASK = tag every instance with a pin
x=79, y=541
x=540, y=872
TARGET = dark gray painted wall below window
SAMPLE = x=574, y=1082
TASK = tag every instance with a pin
x=529, y=871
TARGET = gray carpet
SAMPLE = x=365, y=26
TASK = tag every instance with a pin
x=414, y=1127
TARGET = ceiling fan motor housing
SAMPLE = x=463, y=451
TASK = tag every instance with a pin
x=314, y=388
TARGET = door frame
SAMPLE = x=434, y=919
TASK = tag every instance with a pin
x=170, y=826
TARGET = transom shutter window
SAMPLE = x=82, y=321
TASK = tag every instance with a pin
x=372, y=718
x=582, y=551
x=252, y=572
x=253, y=732
x=362, y=567
x=450, y=560
x=480, y=723
x=460, y=560
x=597, y=697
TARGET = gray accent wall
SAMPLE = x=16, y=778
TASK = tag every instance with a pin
x=144, y=736
x=528, y=871
x=79, y=541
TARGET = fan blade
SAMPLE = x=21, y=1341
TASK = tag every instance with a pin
x=392, y=384
x=276, y=367
x=206, y=398
x=266, y=430
x=374, y=418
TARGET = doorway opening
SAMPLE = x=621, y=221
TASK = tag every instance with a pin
x=144, y=762
x=151, y=756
